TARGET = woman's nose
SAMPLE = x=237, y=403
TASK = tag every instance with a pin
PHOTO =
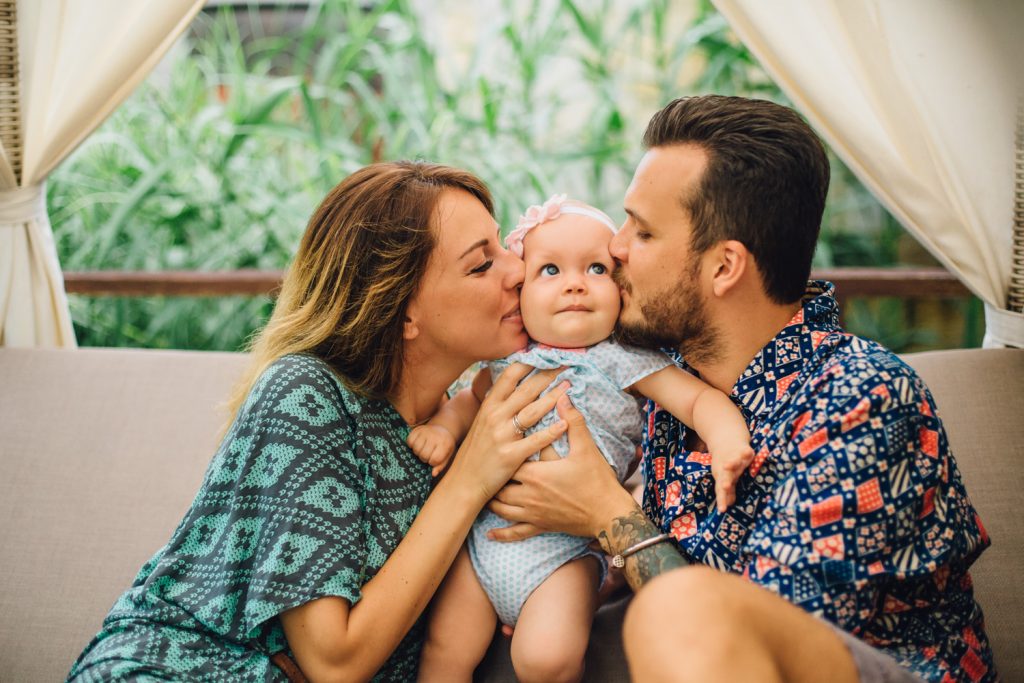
x=515, y=270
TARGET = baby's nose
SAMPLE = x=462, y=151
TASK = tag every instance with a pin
x=575, y=284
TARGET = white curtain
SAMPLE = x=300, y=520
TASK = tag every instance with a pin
x=79, y=59
x=919, y=98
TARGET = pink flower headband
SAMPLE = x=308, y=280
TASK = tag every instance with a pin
x=549, y=211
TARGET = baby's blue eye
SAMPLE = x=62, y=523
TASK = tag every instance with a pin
x=598, y=268
x=549, y=269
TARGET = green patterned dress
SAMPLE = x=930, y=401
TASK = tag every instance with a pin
x=309, y=493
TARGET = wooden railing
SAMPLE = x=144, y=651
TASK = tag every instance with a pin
x=173, y=283
x=903, y=283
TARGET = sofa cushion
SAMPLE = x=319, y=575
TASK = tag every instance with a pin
x=103, y=450
x=980, y=398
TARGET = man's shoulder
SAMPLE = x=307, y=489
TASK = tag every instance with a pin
x=852, y=362
x=863, y=396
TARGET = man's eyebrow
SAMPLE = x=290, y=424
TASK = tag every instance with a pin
x=637, y=217
x=476, y=245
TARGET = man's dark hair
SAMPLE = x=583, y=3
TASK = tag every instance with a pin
x=764, y=185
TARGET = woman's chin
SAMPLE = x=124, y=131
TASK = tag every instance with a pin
x=510, y=344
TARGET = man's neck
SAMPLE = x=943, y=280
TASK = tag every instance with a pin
x=743, y=332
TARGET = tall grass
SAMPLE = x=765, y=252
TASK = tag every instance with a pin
x=217, y=161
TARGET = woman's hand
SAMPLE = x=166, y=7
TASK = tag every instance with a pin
x=578, y=494
x=493, y=449
x=334, y=640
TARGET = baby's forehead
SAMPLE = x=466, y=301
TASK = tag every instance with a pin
x=567, y=236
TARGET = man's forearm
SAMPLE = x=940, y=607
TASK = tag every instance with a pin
x=642, y=566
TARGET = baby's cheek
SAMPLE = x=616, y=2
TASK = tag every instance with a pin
x=539, y=295
x=612, y=300
x=535, y=317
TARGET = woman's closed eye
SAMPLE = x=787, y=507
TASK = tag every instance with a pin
x=597, y=269
x=483, y=267
x=549, y=269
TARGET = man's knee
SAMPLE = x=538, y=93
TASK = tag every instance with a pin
x=697, y=587
x=693, y=602
x=695, y=615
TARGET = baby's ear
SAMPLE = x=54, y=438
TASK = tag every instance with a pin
x=731, y=261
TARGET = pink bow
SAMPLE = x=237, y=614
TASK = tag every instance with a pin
x=534, y=216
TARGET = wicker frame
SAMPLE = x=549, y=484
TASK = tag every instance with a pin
x=1015, y=296
x=10, y=87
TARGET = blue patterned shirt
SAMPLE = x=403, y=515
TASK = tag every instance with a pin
x=853, y=507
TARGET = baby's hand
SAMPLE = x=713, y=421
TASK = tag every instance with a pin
x=727, y=464
x=433, y=445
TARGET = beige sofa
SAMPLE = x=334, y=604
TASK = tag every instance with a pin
x=102, y=451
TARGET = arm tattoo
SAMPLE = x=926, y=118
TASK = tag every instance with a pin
x=642, y=566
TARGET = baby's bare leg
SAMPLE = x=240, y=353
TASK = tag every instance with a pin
x=551, y=636
x=461, y=626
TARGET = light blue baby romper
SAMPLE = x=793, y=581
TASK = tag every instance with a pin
x=509, y=572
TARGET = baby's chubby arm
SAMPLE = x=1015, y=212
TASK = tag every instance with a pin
x=434, y=442
x=715, y=418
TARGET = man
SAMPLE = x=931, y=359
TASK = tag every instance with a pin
x=844, y=556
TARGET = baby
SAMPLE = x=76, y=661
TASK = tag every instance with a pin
x=546, y=586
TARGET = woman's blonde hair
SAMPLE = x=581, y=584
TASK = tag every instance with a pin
x=360, y=261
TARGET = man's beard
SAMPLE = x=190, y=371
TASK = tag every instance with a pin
x=674, y=318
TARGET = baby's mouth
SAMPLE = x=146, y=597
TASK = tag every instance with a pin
x=574, y=308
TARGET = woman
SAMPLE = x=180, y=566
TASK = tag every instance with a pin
x=312, y=540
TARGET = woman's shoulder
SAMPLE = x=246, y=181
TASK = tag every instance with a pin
x=303, y=379
x=294, y=370
x=300, y=400
x=302, y=364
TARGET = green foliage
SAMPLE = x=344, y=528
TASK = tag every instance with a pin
x=217, y=161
